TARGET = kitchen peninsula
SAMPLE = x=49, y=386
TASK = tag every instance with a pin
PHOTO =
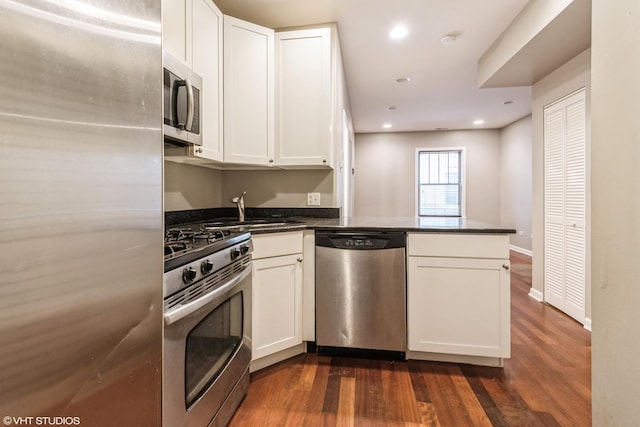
x=458, y=286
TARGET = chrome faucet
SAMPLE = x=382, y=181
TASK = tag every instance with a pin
x=239, y=201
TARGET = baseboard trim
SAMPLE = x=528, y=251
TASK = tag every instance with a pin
x=496, y=362
x=274, y=358
x=521, y=250
x=536, y=295
x=587, y=324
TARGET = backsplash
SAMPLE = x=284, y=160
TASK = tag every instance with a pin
x=191, y=187
x=196, y=215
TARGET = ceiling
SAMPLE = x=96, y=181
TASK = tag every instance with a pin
x=443, y=90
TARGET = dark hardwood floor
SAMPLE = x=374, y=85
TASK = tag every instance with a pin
x=546, y=382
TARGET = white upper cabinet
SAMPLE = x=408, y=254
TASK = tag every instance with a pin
x=284, y=97
x=207, y=27
x=192, y=31
x=304, y=94
x=248, y=93
x=174, y=27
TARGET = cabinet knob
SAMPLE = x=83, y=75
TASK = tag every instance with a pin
x=299, y=259
x=270, y=160
x=505, y=266
x=199, y=150
x=324, y=160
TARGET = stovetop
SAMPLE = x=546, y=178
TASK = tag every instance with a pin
x=178, y=240
x=188, y=242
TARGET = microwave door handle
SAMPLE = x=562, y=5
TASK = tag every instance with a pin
x=190, y=105
x=183, y=311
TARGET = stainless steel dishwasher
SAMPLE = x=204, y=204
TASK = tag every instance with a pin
x=361, y=290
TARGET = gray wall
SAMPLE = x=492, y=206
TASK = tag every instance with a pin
x=191, y=187
x=196, y=187
x=567, y=79
x=278, y=188
x=515, y=182
x=616, y=211
x=385, y=165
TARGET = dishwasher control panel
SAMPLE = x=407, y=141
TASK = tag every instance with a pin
x=380, y=240
x=365, y=242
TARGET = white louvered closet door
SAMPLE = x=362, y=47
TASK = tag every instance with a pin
x=565, y=205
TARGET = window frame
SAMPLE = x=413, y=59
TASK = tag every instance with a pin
x=463, y=183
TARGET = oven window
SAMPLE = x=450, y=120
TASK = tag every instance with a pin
x=210, y=346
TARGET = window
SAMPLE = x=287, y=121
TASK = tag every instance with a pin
x=440, y=182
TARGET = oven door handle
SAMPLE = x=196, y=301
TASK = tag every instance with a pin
x=183, y=311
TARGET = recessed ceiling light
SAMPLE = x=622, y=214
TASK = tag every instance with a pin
x=508, y=102
x=448, y=39
x=478, y=122
x=387, y=125
x=398, y=32
x=403, y=80
x=392, y=107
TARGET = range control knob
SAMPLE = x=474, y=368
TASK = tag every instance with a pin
x=235, y=253
x=206, y=266
x=189, y=274
x=244, y=249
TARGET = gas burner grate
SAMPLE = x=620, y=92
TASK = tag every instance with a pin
x=178, y=234
x=197, y=236
x=173, y=248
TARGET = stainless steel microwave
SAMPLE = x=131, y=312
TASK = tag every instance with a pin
x=182, y=102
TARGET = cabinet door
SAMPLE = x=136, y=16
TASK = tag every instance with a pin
x=303, y=97
x=206, y=47
x=248, y=93
x=174, y=27
x=277, y=304
x=459, y=306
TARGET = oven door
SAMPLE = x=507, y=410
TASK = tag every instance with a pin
x=207, y=350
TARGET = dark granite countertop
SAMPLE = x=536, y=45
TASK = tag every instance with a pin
x=291, y=219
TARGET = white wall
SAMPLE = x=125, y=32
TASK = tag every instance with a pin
x=515, y=182
x=385, y=164
x=616, y=212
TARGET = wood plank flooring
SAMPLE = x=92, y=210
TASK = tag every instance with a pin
x=547, y=381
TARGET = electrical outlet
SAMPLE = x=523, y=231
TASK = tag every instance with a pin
x=520, y=233
x=313, y=199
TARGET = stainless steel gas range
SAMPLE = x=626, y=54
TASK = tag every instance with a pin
x=207, y=323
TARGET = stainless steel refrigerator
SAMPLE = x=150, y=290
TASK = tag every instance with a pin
x=80, y=212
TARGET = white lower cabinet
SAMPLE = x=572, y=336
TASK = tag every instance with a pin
x=459, y=300
x=277, y=298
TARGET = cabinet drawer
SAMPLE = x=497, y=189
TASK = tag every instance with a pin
x=458, y=245
x=277, y=244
